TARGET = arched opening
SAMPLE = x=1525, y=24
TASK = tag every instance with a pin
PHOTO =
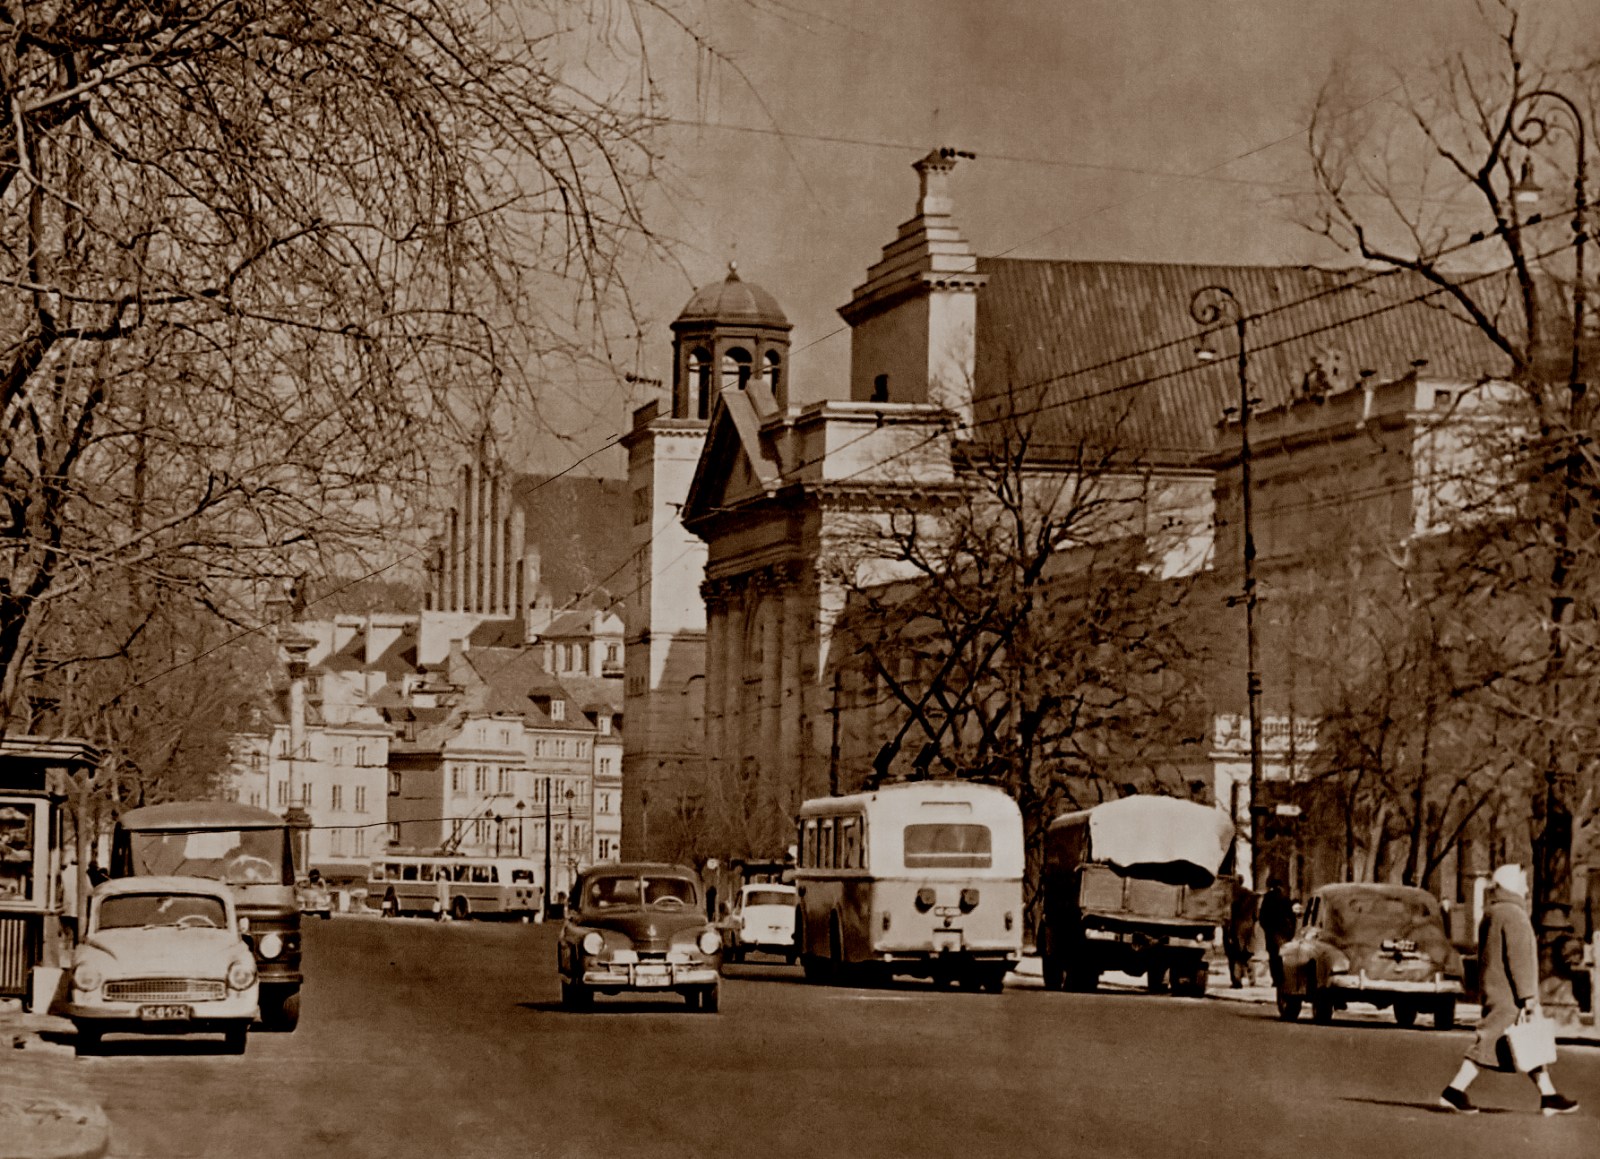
x=737, y=366
x=772, y=371
x=700, y=382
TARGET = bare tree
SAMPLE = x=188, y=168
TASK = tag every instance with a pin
x=260, y=262
x=1433, y=182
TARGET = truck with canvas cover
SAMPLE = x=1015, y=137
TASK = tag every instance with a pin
x=1135, y=885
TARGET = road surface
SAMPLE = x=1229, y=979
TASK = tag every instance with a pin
x=447, y=1040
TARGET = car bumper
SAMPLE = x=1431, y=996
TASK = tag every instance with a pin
x=632, y=977
x=216, y=1014
x=1360, y=982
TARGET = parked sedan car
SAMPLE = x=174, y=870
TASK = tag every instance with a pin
x=762, y=919
x=1383, y=945
x=163, y=955
x=315, y=897
x=642, y=927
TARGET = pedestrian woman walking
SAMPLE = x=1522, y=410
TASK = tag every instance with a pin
x=1508, y=962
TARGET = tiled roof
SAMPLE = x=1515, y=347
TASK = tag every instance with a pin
x=1060, y=335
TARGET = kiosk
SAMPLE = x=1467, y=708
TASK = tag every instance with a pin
x=34, y=774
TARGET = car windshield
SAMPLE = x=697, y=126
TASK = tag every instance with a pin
x=236, y=856
x=630, y=891
x=768, y=897
x=146, y=910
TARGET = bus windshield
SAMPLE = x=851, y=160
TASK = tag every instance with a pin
x=236, y=856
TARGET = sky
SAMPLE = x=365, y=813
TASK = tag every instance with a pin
x=1141, y=130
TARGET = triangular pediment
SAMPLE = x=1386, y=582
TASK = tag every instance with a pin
x=736, y=462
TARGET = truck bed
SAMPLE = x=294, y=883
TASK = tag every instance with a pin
x=1104, y=892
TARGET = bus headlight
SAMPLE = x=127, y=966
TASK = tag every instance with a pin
x=593, y=943
x=270, y=945
x=710, y=942
x=242, y=974
x=969, y=900
x=87, y=976
x=925, y=899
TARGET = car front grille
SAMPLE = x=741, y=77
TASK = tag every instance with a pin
x=166, y=990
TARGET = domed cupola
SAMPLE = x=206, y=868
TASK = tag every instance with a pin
x=730, y=332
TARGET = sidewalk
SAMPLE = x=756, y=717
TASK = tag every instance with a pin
x=45, y=1112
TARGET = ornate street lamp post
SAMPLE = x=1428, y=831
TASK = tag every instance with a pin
x=1533, y=118
x=296, y=648
x=1208, y=306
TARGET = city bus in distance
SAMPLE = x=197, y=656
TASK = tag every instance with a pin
x=920, y=878
x=454, y=886
x=250, y=850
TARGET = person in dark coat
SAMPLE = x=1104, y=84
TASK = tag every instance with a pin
x=1277, y=921
x=1508, y=961
x=1239, y=935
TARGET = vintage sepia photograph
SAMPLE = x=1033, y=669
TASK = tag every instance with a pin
x=801, y=579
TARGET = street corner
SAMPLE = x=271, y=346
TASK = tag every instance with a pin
x=45, y=1112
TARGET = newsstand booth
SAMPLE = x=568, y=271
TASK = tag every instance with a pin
x=33, y=771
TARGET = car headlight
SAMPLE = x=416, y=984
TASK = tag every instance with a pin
x=709, y=942
x=242, y=974
x=593, y=943
x=270, y=945
x=88, y=976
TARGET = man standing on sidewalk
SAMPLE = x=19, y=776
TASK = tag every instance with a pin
x=1509, y=960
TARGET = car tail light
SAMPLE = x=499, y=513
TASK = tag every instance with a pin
x=925, y=899
x=969, y=900
x=242, y=974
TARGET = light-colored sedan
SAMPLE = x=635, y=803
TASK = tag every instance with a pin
x=762, y=919
x=163, y=955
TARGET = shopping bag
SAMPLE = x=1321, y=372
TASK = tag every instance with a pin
x=1532, y=1039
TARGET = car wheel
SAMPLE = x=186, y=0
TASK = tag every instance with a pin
x=460, y=909
x=235, y=1038
x=1405, y=1014
x=1321, y=1008
x=1155, y=981
x=816, y=969
x=710, y=998
x=994, y=982
x=1083, y=979
x=88, y=1038
x=1444, y=1016
x=1288, y=1006
x=576, y=996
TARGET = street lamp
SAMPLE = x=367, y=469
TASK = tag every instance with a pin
x=296, y=649
x=1533, y=117
x=521, y=806
x=1208, y=306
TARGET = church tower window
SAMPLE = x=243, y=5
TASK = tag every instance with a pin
x=700, y=379
x=736, y=368
x=773, y=365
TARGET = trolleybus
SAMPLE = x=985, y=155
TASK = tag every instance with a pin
x=455, y=886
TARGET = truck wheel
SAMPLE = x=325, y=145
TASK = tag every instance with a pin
x=1191, y=982
x=710, y=999
x=1405, y=1014
x=994, y=981
x=816, y=969
x=460, y=909
x=1444, y=1015
x=235, y=1038
x=1156, y=980
x=1322, y=1008
x=281, y=1015
x=1055, y=974
x=1082, y=978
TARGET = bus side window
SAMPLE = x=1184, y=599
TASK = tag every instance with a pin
x=391, y=871
x=480, y=874
x=825, y=835
x=849, y=843
x=808, y=850
x=408, y=873
x=494, y=874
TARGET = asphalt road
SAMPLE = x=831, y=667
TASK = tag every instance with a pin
x=448, y=1040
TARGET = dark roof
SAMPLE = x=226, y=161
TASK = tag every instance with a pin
x=733, y=300
x=1042, y=325
x=496, y=634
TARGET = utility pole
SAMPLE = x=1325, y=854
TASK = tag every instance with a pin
x=547, y=847
x=833, y=746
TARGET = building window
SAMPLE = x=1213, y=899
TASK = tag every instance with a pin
x=255, y=799
x=613, y=653
x=502, y=780
x=361, y=755
x=480, y=779
x=605, y=766
x=394, y=784
x=880, y=388
x=361, y=798
x=283, y=793
x=583, y=748
x=361, y=842
x=505, y=738
x=305, y=796
x=605, y=802
x=736, y=368
x=458, y=783
x=558, y=711
x=641, y=506
x=700, y=382
x=605, y=724
x=336, y=843
x=538, y=747
x=338, y=754
x=394, y=832
x=336, y=798
x=772, y=370
x=283, y=747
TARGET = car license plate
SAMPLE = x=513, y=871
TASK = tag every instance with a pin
x=165, y=1013
x=945, y=941
x=653, y=978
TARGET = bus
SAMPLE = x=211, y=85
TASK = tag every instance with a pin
x=250, y=850
x=921, y=878
x=455, y=886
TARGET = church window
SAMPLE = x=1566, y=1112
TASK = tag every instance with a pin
x=700, y=381
x=736, y=368
x=772, y=367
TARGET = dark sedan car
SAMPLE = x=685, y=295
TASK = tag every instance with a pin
x=1384, y=945
x=637, y=926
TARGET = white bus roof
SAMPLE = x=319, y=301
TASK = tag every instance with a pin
x=909, y=794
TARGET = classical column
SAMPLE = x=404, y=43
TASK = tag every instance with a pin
x=518, y=595
x=734, y=725
x=485, y=538
x=791, y=761
x=463, y=523
x=452, y=583
x=497, y=543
